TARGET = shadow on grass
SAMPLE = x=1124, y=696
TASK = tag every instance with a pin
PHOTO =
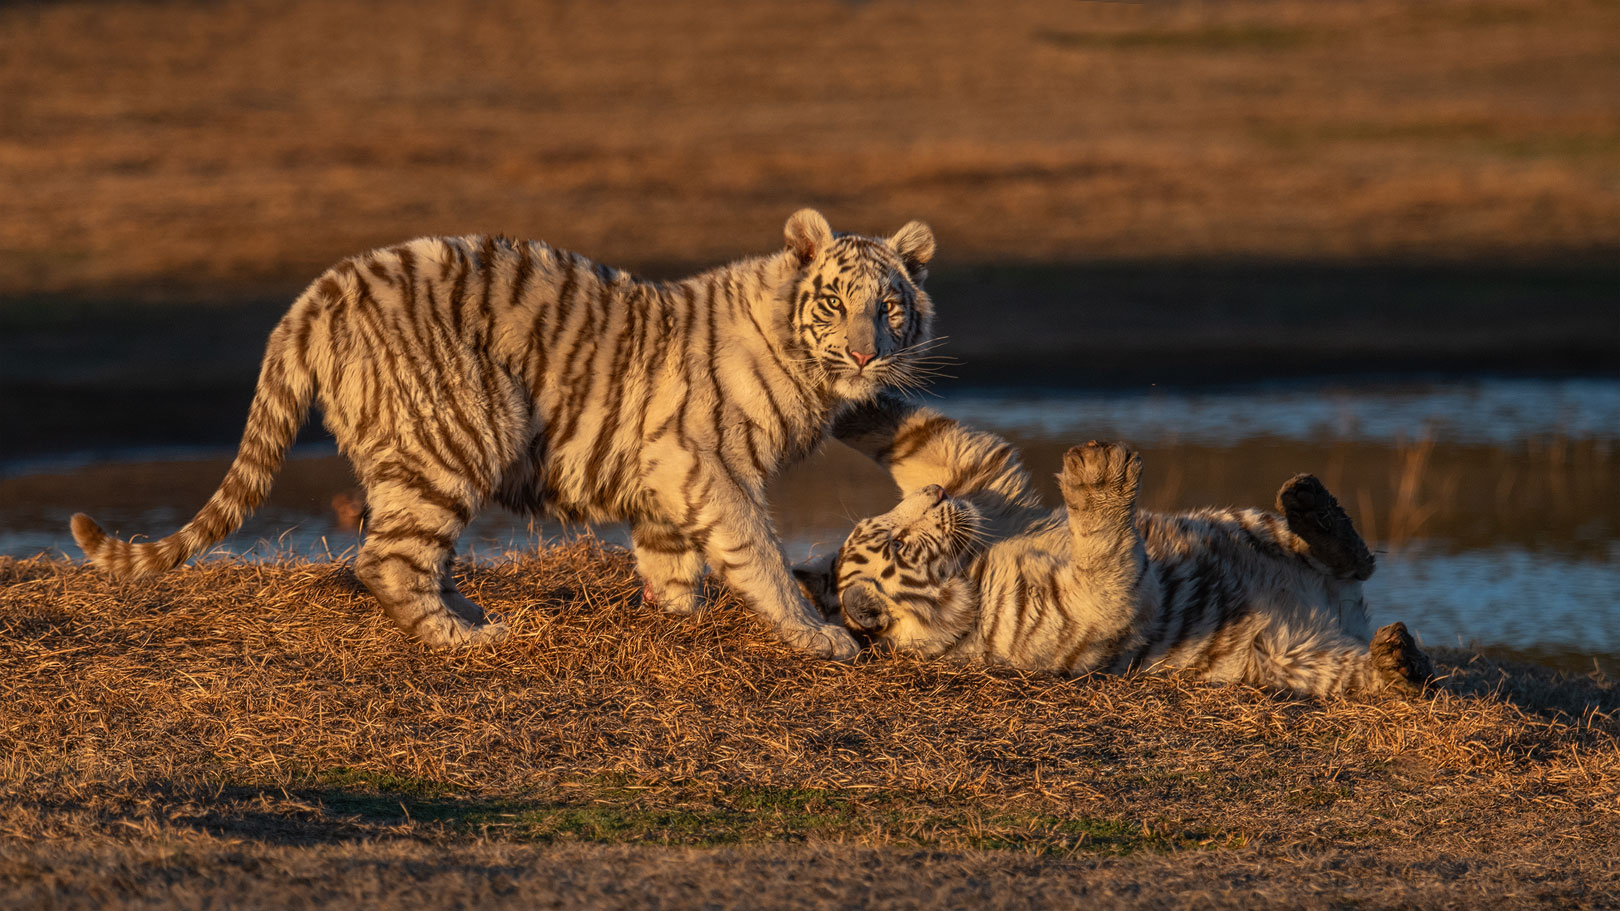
x=1533, y=689
x=344, y=805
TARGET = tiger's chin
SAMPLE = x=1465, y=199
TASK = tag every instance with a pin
x=856, y=387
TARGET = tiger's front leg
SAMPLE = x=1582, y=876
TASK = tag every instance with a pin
x=1107, y=569
x=1099, y=484
x=735, y=532
x=671, y=567
x=746, y=552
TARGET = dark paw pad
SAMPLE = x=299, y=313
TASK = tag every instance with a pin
x=1316, y=517
x=1399, y=662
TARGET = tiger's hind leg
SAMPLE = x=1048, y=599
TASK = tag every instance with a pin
x=1316, y=518
x=671, y=568
x=405, y=560
x=1326, y=664
x=1318, y=665
x=1396, y=661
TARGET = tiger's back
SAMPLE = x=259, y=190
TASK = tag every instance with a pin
x=568, y=371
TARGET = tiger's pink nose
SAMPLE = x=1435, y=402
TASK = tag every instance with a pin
x=862, y=357
x=935, y=491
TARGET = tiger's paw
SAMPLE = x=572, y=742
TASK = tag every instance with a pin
x=824, y=641
x=1316, y=517
x=1099, y=474
x=456, y=634
x=488, y=634
x=682, y=603
x=1398, y=662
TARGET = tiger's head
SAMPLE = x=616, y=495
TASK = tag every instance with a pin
x=893, y=578
x=858, y=306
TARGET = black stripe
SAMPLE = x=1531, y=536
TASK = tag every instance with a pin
x=1169, y=589
x=412, y=533
x=407, y=560
x=458, y=290
x=1197, y=604
x=579, y=369
x=565, y=301
x=424, y=488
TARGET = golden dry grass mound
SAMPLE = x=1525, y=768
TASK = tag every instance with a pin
x=256, y=735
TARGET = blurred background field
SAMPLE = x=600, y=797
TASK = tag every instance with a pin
x=194, y=144
x=1376, y=240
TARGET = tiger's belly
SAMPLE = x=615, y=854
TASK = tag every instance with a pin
x=575, y=486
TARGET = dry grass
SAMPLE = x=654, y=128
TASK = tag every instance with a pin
x=250, y=142
x=254, y=733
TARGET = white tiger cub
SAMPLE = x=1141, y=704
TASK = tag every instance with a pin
x=970, y=566
x=456, y=371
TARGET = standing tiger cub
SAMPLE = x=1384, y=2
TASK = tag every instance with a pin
x=463, y=370
x=989, y=575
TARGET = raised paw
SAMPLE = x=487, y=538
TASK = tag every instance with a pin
x=1316, y=518
x=1397, y=660
x=1100, y=472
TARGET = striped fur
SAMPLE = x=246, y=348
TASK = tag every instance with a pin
x=455, y=372
x=970, y=566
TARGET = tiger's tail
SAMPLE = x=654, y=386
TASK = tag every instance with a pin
x=280, y=405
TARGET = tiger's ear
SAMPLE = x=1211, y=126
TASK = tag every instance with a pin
x=816, y=581
x=807, y=234
x=865, y=608
x=915, y=244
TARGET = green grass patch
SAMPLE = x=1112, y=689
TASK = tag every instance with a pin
x=1320, y=795
x=362, y=782
x=611, y=810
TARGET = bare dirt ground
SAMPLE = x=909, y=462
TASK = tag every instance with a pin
x=174, y=144
x=255, y=735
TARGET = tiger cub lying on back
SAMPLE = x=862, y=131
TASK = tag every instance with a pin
x=970, y=565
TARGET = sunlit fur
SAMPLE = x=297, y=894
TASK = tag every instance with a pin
x=459, y=371
x=987, y=574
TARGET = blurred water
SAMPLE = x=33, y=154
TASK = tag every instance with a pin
x=1490, y=411
x=1539, y=603
x=1494, y=504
